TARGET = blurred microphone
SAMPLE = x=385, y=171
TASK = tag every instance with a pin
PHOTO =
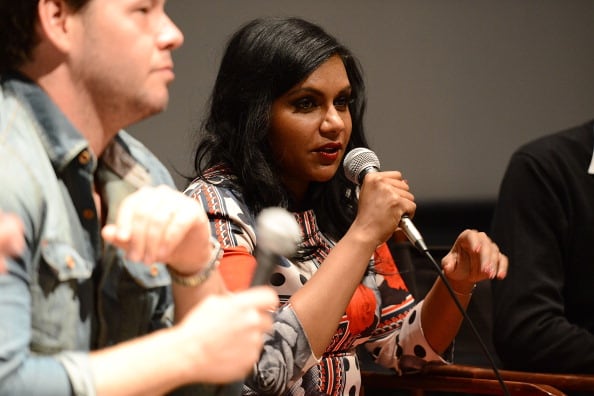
x=278, y=234
x=360, y=161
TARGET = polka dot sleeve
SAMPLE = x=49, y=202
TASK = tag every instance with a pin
x=286, y=356
x=407, y=350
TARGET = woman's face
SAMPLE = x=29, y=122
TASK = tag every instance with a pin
x=311, y=126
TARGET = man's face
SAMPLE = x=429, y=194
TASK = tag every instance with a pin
x=121, y=56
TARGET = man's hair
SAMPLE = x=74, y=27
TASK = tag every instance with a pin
x=17, y=31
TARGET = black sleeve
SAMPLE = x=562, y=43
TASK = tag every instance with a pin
x=530, y=224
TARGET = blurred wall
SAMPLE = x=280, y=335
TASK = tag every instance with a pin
x=453, y=86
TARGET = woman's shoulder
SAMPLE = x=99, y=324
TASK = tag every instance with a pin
x=218, y=191
x=217, y=177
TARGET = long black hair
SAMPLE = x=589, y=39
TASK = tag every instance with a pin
x=262, y=61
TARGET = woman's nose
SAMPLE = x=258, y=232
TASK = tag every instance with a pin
x=333, y=121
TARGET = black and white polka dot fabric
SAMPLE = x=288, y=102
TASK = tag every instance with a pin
x=287, y=365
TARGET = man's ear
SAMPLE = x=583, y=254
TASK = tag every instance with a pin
x=54, y=17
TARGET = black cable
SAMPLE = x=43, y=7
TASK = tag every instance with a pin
x=357, y=164
x=468, y=320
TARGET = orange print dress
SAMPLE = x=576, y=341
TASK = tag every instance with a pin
x=382, y=316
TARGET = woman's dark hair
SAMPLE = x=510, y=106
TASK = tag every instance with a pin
x=17, y=30
x=262, y=61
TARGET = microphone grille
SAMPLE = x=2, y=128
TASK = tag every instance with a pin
x=357, y=160
x=277, y=231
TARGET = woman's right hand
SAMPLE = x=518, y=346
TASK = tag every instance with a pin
x=384, y=198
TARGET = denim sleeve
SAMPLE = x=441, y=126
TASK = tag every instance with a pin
x=21, y=371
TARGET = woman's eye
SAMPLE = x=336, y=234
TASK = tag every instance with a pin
x=305, y=104
x=342, y=102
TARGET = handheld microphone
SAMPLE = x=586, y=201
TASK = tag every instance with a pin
x=278, y=235
x=361, y=161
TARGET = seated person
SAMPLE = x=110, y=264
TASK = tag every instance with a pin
x=544, y=220
x=286, y=106
x=87, y=304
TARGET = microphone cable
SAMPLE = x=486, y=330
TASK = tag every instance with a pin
x=448, y=286
x=360, y=161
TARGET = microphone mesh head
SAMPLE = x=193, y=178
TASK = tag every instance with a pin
x=357, y=160
x=277, y=231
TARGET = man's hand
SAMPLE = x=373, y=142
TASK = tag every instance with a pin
x=160, y=224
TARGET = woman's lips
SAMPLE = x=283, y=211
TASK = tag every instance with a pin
x=328, y=153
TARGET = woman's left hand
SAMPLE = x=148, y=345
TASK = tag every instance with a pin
x=473, y=258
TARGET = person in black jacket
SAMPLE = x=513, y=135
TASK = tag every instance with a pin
x=544, y=221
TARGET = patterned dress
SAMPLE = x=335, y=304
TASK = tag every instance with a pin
x=385, y=318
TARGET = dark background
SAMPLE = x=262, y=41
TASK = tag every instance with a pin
x=454, y=86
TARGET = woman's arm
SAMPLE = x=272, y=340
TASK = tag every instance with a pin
x=322, y=301
x=473, y=258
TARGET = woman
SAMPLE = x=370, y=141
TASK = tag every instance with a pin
x=287, y=105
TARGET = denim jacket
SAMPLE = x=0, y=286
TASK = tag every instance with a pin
x=68, y=293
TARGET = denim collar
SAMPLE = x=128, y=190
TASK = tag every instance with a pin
x=61, y=140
